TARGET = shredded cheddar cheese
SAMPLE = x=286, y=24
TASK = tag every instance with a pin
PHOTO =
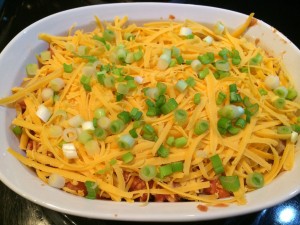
x=117, y=68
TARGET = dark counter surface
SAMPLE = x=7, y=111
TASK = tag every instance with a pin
x=17, y=14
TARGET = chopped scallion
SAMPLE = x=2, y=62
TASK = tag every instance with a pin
x=255, y=180
x=126, y=141
x=217, y=164
x=230, y=183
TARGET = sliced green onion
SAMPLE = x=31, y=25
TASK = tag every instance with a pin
x=181, y=116
x=57, y=84
x=190, y=81
x=100, y=133
x=284, y=130
x=99, y=112
x=255, y=180
x=281, y=91
x=175, y=52
x=147, y=172
x=137, y=124
x=230, y=183
x=262, y=91
x=45, y=55
x=233, y=130
x=138, y=55
x=201, y=127
x=163, y=152
x=133, y=133
x=197, y=99
x=108, y=35
x=231, y=111
x=172, y=63
x=170, y=141
x=17, y=130
x=221, y=98
x=164, y=61
x=180, y=142
x=127, y=157
x=136, y=114
x=129, y=58
x=104, y=122
x=109, y=81
x=279, y=103
x=181, y=85
x=129, y=36
x=222, y=65
x=232, y=88
x=149, y=103
x=148, y=129
x=253, y=109
x=217, y=164
x=236, y=58
x=207, y=58
x=203, y=73
x=224, y=53
x=160, y=100
x=124, y=116
x=31, y=69
x=122, y=88
x=126, y=141
x=153, y=111
x=84, y=137
x=68, y=68
x=219, y=28
x=92, y=147
x=224, y=123
x=208, y=39
x=240, y=123
x=165, y=170
x=55, y=131
x=296, y=127
x=117, y=126
x=152, y=92
x=169, y=106
x=256, y=59
x=92, y=189
x=188, y=62
x=292, y=94
x=180, y=60
x=47, y=93
x=196, y=65
x=272, y=81
x=177, y=166
x=162, y=88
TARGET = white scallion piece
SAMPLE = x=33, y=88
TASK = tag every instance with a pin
x=88, y=126
x=76, y=121
x=92, y=147
x=219, y=28
x=196, y=65
x=272, y=82
x=208, y=39
x=104, y=122
x=294, y=137
x=47, y=93
x=138, y=79
x=185, y=31
x=69, y=151
x=55, y=131
x=56, y=180
x=70, y=134
x=57, y=84
x=43, y=113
